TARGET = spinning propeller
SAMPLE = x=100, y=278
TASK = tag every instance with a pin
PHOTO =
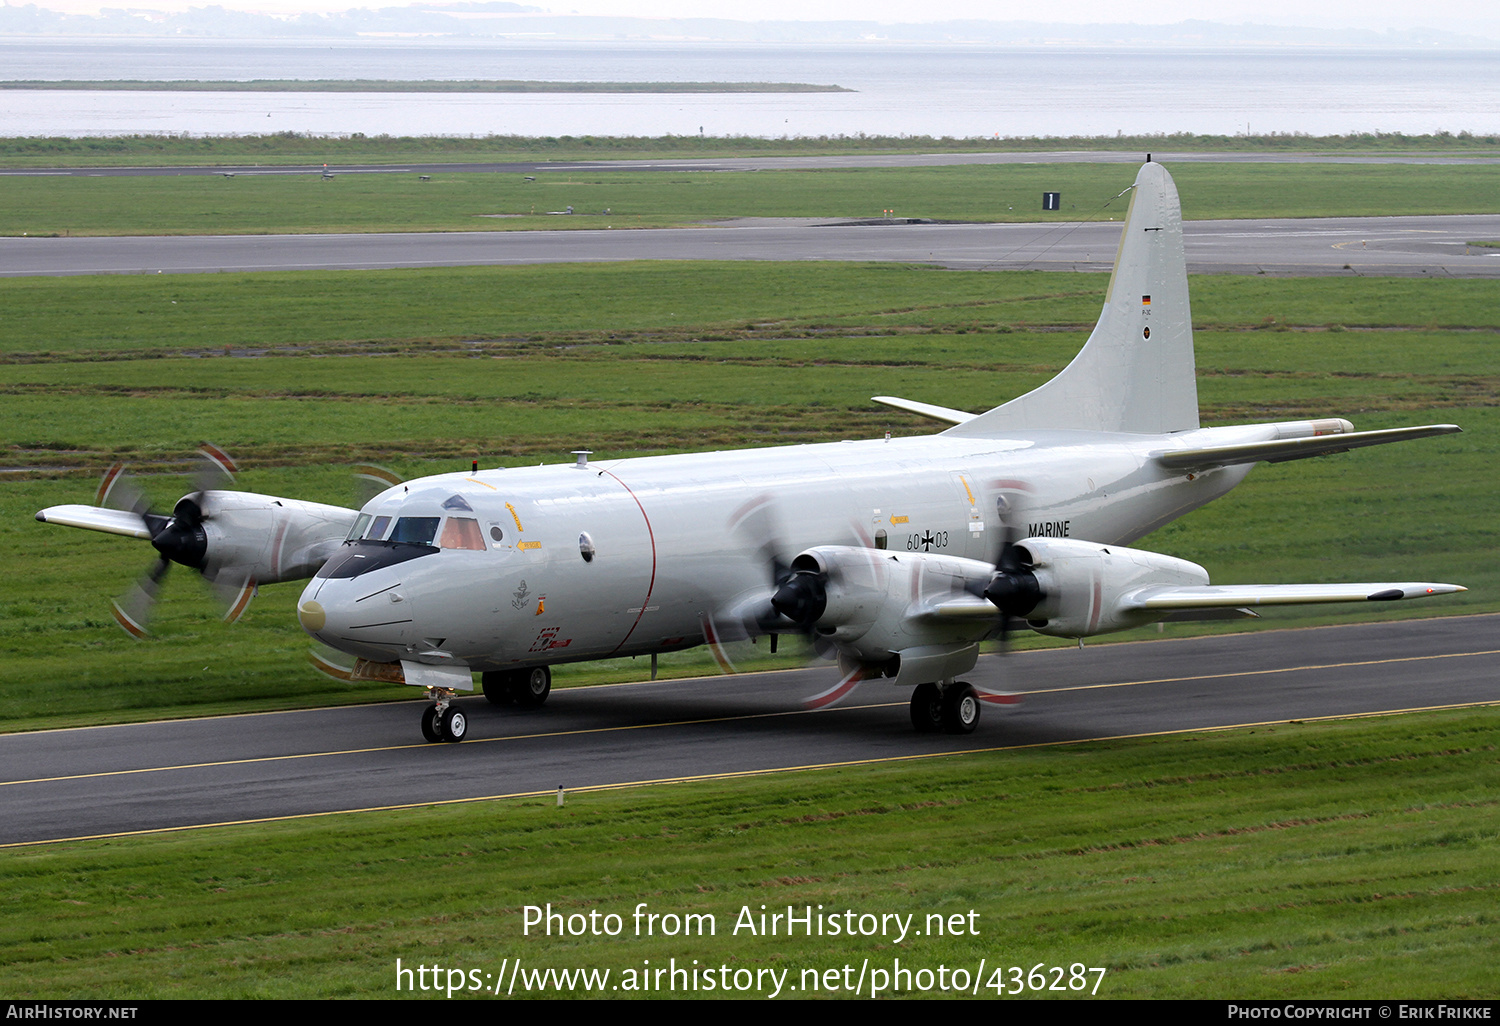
x=178, y=537
x=1013, y=590
x=792, y=603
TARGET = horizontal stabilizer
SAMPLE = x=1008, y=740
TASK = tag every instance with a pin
x=1212, y=596
x=928, y=410
x=1281, y=449
x=97, y=518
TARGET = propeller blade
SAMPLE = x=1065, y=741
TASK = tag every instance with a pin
x=331, y=663
x=838, y=692
x=998, y=697
x=714, y=638
x=118, y=490
x=234, y=595
x=370, y=480
x=132, y=610
x=215, y=469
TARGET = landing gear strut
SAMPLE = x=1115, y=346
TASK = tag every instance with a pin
x=525, y=689
x=443, y=721
x=952, y=708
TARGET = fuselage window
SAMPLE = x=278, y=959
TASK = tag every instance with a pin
x=378, y=528
x=358, y=530
x=880, y=538
x=415, y=530
x=462, y=533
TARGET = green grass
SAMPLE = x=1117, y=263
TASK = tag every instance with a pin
x=1298, y=861
x=500, y=310
x=457, y=201
x=292, y=148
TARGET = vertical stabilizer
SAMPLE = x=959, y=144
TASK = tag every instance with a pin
x=1136, y=372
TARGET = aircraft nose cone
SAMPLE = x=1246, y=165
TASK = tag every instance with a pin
x=311, y=615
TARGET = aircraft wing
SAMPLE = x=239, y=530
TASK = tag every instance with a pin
x=97, y=518
x=1281, y=449
x=942, y=413
x=1212, y=596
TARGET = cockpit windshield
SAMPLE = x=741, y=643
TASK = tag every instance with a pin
x=358, y=530
x=415, y=530
x=446, y=530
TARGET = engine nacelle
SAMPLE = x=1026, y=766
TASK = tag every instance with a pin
x=268, y=539
x=1083, y=584
x=878, y=603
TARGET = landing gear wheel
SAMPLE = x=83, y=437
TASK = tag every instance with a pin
x=927, y=709
x=530, y=688
x=960, y=708
x=454, y=724
x=430, y=728
x=497, y=688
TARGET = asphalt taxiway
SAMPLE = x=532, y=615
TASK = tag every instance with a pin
x=148, y=777
x=1429, y=246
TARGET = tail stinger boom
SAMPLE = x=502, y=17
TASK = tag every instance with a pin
x=1136, y=372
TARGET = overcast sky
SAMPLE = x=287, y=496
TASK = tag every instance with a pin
x=1469, y=16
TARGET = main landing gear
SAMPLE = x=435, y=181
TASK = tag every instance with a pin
x=952, y=708
x=525, y=689
x=443, y=721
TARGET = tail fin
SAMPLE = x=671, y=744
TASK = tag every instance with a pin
x=1136, y=371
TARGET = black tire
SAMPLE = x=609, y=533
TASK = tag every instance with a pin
x=498, y=687
x=455, y=724
x=530, y=688
x=430, y=728
x=960, y=708
x=927, y=708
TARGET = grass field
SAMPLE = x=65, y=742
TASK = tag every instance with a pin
x=292, y=148
x=452, y=201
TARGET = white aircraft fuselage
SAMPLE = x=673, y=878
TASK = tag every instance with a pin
x=672, y=552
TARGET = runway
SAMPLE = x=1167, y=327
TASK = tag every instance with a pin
x=142, y=778
x=1428, y=246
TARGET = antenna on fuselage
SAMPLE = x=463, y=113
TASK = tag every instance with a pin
x=583, y=458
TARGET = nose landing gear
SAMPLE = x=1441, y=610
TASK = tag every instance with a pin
x=443, y=721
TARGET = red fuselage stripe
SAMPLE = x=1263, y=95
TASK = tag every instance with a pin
x=650, y=587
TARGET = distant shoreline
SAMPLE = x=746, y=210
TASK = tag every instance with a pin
x=368, y=85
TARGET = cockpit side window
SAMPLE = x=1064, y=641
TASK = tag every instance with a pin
x=358, y=530
x=462, y=533
x=415, y=530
